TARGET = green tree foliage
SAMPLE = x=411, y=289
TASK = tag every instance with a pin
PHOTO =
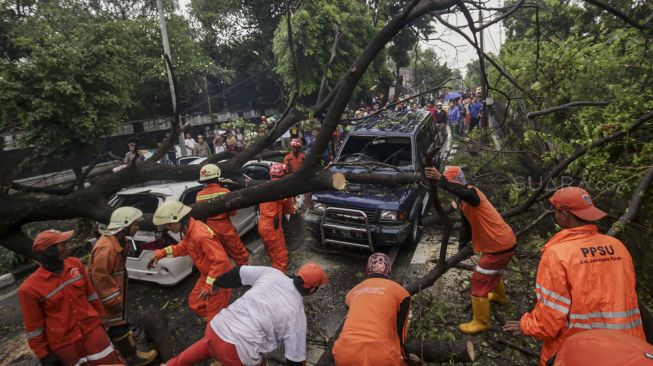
x=314, y=24
x=428, y=69
x=85, y=68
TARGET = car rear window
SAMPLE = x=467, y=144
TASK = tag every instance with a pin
x=144, y=202
x=395, y=151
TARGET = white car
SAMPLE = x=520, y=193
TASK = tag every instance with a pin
x=169, y=271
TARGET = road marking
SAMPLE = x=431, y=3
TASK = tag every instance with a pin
x=8, y=294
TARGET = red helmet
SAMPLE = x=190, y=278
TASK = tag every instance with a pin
x=278, y=170
x=296, y=143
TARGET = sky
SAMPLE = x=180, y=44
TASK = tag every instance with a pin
x=453, y=49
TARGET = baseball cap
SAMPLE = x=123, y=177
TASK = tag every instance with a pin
x=577, y=201
x=48, y=238
x=454, y=173
x=313, y=275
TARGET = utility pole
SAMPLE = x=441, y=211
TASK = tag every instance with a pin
x=208, y=98
x=173, y=96
x=481, y=62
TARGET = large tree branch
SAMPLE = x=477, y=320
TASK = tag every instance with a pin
x=599, y=103
x=619, y=14
x=560, y=167
x=337, y=36
x=634, y=205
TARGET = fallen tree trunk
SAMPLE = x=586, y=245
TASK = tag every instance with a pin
x=438, y=351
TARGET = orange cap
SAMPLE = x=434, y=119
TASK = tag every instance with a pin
x=313, y=275
x=578, y=202
x=48, y=238
x=454, y=173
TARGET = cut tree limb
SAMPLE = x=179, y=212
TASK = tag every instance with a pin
x=439, y=351
x=577, y=104
x=634, y=205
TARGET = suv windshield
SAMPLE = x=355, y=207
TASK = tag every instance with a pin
x=395, y=151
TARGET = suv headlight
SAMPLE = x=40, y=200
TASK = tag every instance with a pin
x=388, y=215
x=319, y=206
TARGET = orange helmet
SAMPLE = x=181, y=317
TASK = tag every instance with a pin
x=278, y=170
x=296, y=143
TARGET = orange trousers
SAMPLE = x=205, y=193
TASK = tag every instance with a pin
x=488, y=272
x=94, y=348
x=209, y=347
x=208, y=308
x=226, y=232
x=378, y=353
x=274, y=242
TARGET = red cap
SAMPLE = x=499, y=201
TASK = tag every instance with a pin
x=578, y=202
x=313, y=275
x=48, y=238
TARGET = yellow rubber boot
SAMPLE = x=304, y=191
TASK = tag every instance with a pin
x=481, y=315
x=499, y=294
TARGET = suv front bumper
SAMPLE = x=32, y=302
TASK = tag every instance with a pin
x=382, y=234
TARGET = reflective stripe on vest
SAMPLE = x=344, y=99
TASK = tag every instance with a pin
x=96, y=356
x=111, y=296
x=168, y=250
x=34, y=333
x=93, y=297
x=611, y=326
x=116, y=319
x=118, y=273
x=605, y=315
x=553, y=305
x=60, y=287
x=209, y=196
x=552, y=294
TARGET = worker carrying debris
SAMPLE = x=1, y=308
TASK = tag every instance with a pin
x=585, y=280
x=221, y=224
x=209, y=257
x=604, y=347
x=270, y=222
x=489, y=234
x=269, y=313
x=374, y=332
x=108, y=274
x=61, y=310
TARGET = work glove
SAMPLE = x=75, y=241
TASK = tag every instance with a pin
x=276, y=222
x=158, y=254
x=50, y=360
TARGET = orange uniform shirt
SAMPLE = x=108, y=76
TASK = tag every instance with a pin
x=294, y=162
x=201, y=245
x=490, y=233
x=214, y=190
x=107, y=270
x=585, y=280
x=374, y=306
x=59, y=309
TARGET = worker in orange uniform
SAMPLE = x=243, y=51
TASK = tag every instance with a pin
x=108, y=274
x=200, y=243
x=221, y=223
x=585, y=280
x=61, y=310
x=374, y=332
x=270, y=220
x=489, y=234
x=604, y=347
x=295, y=158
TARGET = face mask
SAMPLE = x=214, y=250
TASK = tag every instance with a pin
x=50, y=259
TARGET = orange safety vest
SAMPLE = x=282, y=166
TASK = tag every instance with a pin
x=201, y=245
x=59, y=308
x=294, y=162
x=214, y=190
x=107, y=272
x=372, y=319
x=585, y=280
x=604, y=348
x=490, y=233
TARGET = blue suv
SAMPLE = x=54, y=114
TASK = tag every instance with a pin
x=368, y=215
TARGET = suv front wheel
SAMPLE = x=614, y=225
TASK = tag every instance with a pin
x=415, y=233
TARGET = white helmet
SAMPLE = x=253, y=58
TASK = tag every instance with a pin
x=122, y=218
x=169, y=212
x=209, y=171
